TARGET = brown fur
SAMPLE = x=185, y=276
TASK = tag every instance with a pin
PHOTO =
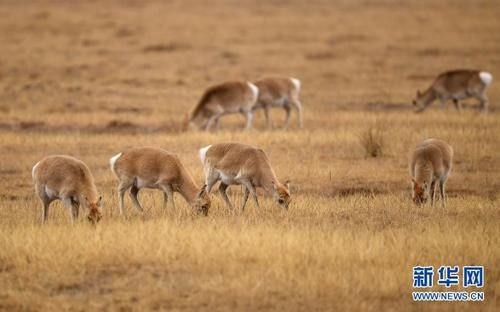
x=226, y=98
x=149, y=167
x=430, y=162
x=455, y=85
x=279, y=92
x=235, y=163
x=69, y=179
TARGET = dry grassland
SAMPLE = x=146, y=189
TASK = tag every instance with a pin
x=90, y=79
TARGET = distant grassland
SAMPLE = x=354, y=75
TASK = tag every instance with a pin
x=90, y=81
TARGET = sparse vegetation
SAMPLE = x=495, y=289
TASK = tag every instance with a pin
x=372, y=140
x=351, y=234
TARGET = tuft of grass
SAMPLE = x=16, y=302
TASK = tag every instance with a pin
x=372, y=140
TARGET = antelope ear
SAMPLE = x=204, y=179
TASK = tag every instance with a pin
x=418, y=93
x=202, y=190
x=287, y=185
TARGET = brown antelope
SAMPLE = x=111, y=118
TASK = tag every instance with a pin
x=235, y=163
x=456, y=85
x=68, y=179
x=430, y=163
x=279, y=92
x=154, y=168
x=227, y=98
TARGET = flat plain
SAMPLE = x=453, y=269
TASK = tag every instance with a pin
x=91, y=78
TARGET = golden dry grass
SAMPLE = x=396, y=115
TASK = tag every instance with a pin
x=90, y=79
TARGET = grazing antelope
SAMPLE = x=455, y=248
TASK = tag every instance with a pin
x=456, y=85
x=279, y=92
x=154, y=168
x=235, y=163
x=430, y=163
x=68, y=179
x=227, y=98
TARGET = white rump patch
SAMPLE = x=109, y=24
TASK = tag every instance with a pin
x=486, y=78
x=203, y=153
x=112, y=162
x=33, y=170
x=296, y=83
x=255, y=90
